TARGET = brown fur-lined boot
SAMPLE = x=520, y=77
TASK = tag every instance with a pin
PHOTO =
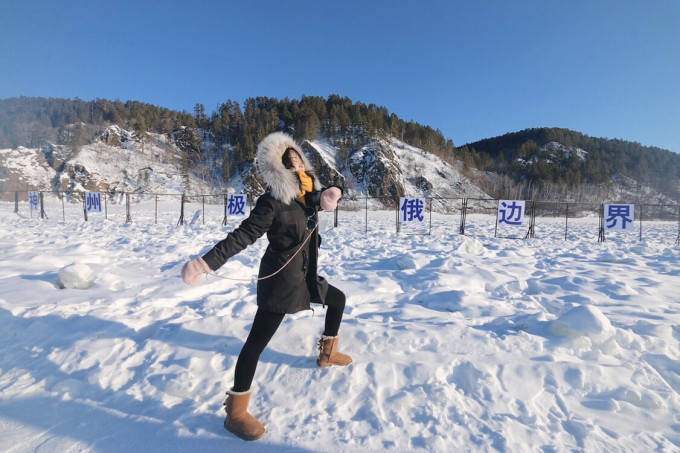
x=328, y=353
x=238, y=420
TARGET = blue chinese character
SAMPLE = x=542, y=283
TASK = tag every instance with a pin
x=93, y=201
x=33, y=200
x=512, y=214
x=412, y=209
x=614, y=211
x=236, y=205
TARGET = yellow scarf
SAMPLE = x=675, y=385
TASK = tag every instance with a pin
x=306, y=185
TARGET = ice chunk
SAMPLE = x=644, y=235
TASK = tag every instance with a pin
x=77, y=276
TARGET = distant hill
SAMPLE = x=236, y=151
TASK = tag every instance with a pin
x=363, y=143
x=554, y=157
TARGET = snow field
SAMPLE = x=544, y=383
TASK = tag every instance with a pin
x=459, y=343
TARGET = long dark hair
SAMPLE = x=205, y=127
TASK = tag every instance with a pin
x=285, y=159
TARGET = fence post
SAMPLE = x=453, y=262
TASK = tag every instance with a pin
x=396, y=211
x=224, y=219
x=128, y=218
x=16, y=202
x=677, y=240
x=641, y=222
x=335, y=220
x=600, y=237
x=429, y=232
x=495, y=230
x=532, y=221
x=181, y=213
x=463, y=210
x=43, y=215
x=566, y=222
x=366, y=211
x=84, y=208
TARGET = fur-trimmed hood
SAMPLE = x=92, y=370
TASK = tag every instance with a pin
x=282, y=182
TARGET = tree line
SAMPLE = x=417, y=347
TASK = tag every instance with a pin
x=522, y=157
x=234, y=127
x=235, y=130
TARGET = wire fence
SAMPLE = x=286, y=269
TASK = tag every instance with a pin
x=476, y=217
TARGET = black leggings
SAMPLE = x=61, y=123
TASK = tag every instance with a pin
x=263, y=329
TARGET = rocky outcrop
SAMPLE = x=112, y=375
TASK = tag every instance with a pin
x=376, y=168
x=111, y=136
x=253, y=186
x=422, y=183
x=327, y=175
x=188, y=140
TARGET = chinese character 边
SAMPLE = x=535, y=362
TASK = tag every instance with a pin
x=33, y=200
x=236, y=205
x=412, y=208
x=510, y=212
x=616, y=211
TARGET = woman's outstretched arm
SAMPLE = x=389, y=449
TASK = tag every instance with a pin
x=257, y=223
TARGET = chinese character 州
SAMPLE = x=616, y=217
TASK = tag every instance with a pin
x=93, y=201
x=614, y=212
x=510, y=212
x=236, y=205
x=412, y=208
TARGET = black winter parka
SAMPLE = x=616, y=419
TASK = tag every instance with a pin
x=286, y=225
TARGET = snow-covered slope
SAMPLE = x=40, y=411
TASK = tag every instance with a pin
x=118, y=161
x=113, y=161
x=423, y=170
x=392, y=168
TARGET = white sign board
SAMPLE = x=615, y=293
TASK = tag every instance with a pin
x=619, y=217
x=511, y=212
x=236, y=204
x=411, y=210
x=93, y=201
x=33, y=200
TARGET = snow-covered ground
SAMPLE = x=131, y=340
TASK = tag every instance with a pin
x=459, y=343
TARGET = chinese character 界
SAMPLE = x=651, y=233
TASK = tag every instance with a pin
x=616, y=211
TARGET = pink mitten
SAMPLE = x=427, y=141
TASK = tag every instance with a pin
x=192, y=271
x=329, y=198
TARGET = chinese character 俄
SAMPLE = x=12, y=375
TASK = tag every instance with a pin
x=412, y=208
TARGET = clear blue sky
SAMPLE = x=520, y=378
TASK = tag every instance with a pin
x=473, y=69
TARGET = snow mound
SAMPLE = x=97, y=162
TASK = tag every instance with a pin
x=471, y=246
x=77, y=276
x=583, y=321
x=406, y=262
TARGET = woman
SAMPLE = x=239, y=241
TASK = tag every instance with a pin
x=288, y=281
